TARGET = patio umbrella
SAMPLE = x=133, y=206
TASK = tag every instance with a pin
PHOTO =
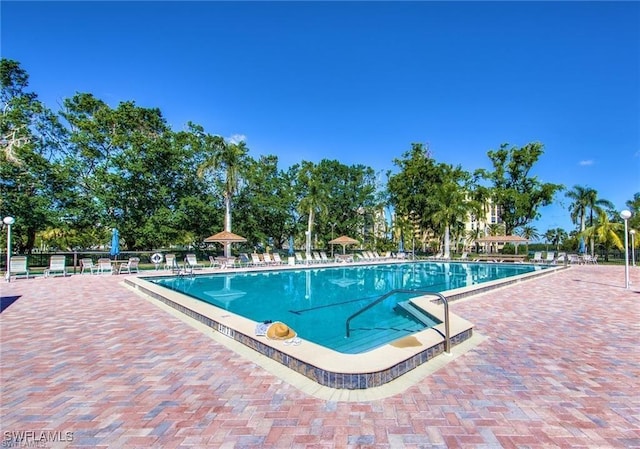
x=344, y=241
x=291, y=246
x=581, y=246
x=115, y=243
x=226, y=238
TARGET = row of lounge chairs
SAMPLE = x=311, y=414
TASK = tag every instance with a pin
x=19, y=266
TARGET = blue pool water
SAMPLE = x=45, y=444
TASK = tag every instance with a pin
x=316, y=302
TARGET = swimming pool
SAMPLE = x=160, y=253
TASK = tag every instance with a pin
x=327, y=367
x=317, y=302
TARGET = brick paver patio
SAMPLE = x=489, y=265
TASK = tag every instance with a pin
x=86, y=355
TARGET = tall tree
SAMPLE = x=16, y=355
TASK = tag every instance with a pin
x=31, y=146
x=595, y=206
x=347, y=189
x=314, y=199
x=263, y=207
x=411, y=189
x=230, y=158
x=515, y=190
x=451, y=204
x=530, y=233
x=133, y=173
x=555, y=236
x=606, y=232
x=581, y=197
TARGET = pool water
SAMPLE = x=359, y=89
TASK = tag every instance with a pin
x=316, y=302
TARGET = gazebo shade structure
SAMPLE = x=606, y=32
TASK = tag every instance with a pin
x=502, y=239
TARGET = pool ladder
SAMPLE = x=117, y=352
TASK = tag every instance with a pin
x=447, y=339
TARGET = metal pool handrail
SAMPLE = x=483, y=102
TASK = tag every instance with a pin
x=447, y=339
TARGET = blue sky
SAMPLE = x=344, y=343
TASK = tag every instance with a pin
x=360, y=81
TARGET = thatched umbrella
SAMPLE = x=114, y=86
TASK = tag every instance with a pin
x=344, y=241
x=225, y=237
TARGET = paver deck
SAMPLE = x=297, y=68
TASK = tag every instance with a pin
x=560, y=367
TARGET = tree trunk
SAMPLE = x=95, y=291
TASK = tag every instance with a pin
x=227, y=223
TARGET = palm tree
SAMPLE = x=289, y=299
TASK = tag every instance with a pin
x=230, y=159
x=313, y=201
x=605, y=232
x=596, y=206
x=578, y=209
x=451, y=208
x=555, y=237
x=529, y=233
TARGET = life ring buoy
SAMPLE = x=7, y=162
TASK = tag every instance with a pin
x=156, y=258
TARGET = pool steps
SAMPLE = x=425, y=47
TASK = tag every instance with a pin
x=418, y=314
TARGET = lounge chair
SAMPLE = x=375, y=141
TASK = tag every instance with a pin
x=130, y=266
x=213, y=262
x=256, y=261
x=551, y=257
x=57, y=264
x=242, y=261
x=316, y=257
x=574, y=259
x=170, y=262
x=19, y=266
x=537, y=257
x=105, y=266
x=190, y=261
x=277, y=260
x=87, y=265
x=325, y=259
x=299, y=258
x=268, y=260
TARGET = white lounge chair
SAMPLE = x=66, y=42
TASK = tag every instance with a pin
x=130, y=266
x=537, y=257
x=57, y=264
x=170, y=262
x=551, y=257
x=87, y=264
x=256, y=261
x=105, y=266
x=19, y=266
x=277, y=260
x=191, y=262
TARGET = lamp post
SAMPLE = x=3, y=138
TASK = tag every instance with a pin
x=8, y=221
x=625, y=215
x=633, y=247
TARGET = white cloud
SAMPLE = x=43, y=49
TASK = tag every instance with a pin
x=236, y=138
x=586, y=163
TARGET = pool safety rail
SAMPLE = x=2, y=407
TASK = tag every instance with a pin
x=447, y=339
